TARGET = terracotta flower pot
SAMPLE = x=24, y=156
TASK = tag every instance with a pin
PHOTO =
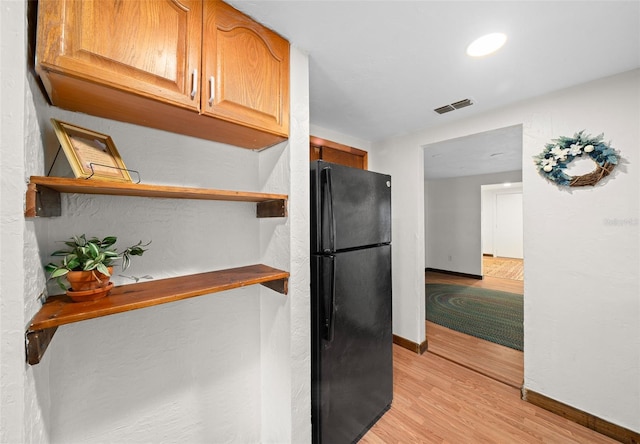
x=90, y=295
x=88, y=285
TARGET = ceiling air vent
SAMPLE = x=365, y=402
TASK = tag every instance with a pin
x=462, y=103
x=454, y=106
x=444, y=109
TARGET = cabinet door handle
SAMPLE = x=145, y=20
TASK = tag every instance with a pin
x=212, y=90
x=194, y=80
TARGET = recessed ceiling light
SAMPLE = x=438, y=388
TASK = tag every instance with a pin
x=486, y=44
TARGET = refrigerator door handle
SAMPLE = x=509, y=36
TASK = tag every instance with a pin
x=330, y=314
x=328, y=203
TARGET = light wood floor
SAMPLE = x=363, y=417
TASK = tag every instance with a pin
x=499, y=362
x=503, y=267
x=456, y=396
x=438, y=401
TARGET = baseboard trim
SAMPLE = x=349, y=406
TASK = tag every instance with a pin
x=583, y=418
x=410, y=345
x=455, y=273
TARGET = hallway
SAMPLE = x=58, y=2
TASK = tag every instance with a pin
x=466, y=390
x=495, y=361
x=438, y=401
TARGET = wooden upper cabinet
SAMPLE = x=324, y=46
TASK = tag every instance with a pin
x=195, y=67
x=150, y=48
x=327, y=150
x=246, y=70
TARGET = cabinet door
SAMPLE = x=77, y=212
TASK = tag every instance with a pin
x=245, y=70
x=342, y=157
x=329, y=151
x=147, y=47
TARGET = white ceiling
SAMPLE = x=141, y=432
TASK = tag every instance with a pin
x=379, y=68
x=483, y=153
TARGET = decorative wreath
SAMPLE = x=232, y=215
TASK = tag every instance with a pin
x=552, y=162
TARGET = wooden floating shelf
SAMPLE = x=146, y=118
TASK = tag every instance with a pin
x=43, y=194
x=60, y=310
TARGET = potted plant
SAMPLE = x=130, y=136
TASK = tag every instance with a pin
x=87, y=265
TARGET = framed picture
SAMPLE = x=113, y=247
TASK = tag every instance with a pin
x=90, y=154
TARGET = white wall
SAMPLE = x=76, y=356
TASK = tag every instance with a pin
x=489, y=199
x=337, y=137
x=14, y=425
x=189, y=371
x=453, y=238
x=284, y=320
x=405, y=165
x=299, y=264
x=582, y=311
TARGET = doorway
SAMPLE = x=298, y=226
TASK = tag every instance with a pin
x=502, y=231
x=455, y=171
x=508, y=229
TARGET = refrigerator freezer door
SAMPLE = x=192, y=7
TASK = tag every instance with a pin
x=352, y=371
x=350, y=208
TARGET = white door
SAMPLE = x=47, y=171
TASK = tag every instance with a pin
x=508, y=231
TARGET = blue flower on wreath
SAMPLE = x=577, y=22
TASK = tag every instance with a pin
x=556, y=155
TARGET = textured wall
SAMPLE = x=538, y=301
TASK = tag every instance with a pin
x=582, y=249
x=403, y=161
x=453, y=221
x=12, y=133
x=582, y=344
x=186, y=371
x=300, y=291
x=286, y=395
x=337, y=137
x=190, y=371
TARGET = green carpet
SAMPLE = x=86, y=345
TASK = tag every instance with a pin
x=491, y=315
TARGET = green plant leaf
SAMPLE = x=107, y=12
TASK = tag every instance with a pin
x=93, y=249
x=126, y=261
x=73, y=263
x=61, y=285
x=90, y=265
x=108, y=241
x=80, y=240
x=136, y=251
x=59, y=273
x=103, y=269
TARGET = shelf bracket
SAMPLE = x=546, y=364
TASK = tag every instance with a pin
x=36, y=343
x=42, y=201
x=272, y=208
x=280, y=285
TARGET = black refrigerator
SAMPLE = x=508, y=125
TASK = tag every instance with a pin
x=351, y=355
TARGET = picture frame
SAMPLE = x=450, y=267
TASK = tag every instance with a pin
x=92, y=155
